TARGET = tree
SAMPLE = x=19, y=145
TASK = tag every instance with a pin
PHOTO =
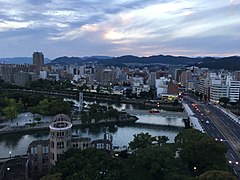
x=147, y=95
x=59, y=106
x=57, y=176
x=43, y=107
x=88, y=164
x=141, y=140
x=175, y=102
x=10, y=112
x=157, y=160
x=192, y=143
x=224, y=100
x=219, y=175
x=161, y=140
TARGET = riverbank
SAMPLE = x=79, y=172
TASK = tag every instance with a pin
x=168, y=106
x=76, y=123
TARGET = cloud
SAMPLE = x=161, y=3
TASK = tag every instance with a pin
x=117, y=27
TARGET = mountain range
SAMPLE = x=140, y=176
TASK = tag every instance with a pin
x=20, y=60
x=228, y=63
x=124, y=60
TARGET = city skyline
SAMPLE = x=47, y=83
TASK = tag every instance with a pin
x=137, y=27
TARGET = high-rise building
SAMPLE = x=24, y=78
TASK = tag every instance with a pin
x=38, y=61
x=237, y=75
x=234, y=90
x=218, y=91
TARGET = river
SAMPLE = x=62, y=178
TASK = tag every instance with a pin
x=122, y=135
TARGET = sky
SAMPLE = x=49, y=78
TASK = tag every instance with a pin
x=119, y=27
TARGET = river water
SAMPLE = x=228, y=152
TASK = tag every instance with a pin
x=122, y=135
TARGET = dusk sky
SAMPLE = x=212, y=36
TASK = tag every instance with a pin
x=119, y=27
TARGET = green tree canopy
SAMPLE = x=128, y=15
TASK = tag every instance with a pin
x=157, y=160
x=224, y=100
x=57, y=176
x=88, y=164
x=141, y=140
x=201, y=151
x=10, y=112
x=43, y=107
x=219, y=175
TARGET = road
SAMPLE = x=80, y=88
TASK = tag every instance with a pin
x=221, y=127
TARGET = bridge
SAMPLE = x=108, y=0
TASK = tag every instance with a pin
x=169, y=114
x=163, y=118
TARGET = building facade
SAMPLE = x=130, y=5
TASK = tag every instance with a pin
x=38, y=61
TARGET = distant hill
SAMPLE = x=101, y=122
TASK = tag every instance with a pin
x=160, y=59
x=229, y=63
x=20, y=60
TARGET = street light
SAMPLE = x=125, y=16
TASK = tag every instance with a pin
x=26, y=117
x=10, y=154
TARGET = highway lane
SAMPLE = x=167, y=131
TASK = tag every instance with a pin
x=235, y=127
x=209, y=125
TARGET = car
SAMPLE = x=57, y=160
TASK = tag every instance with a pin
x=154, y=111
x=207, y=122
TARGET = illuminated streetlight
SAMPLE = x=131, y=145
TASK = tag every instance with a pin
x=25, y=117
x=10, y=154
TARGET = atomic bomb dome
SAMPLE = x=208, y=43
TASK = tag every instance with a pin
x=60, y=136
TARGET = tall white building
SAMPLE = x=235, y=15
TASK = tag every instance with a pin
x=218, y=91
x=234, y=90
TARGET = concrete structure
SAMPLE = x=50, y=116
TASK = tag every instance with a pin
x=38, y=61
x=43, y=154
x=38, y=158
x=43, y=75
x=234, y=90
x=105, y=76
x=218, y=91
x=237, y=75
x=152, y=79
x=186, y=76
x=60, y=136
x=18, y=74
x=161, y=86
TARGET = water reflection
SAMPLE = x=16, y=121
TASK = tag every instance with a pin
x=19, y=142
x=122, y=135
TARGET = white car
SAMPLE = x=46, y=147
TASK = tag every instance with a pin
x=207, y=122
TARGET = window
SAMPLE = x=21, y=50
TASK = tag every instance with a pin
x=60, y=145
x=60, y=134
x=52, y=144
x=45, y=149
x=34, y=150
